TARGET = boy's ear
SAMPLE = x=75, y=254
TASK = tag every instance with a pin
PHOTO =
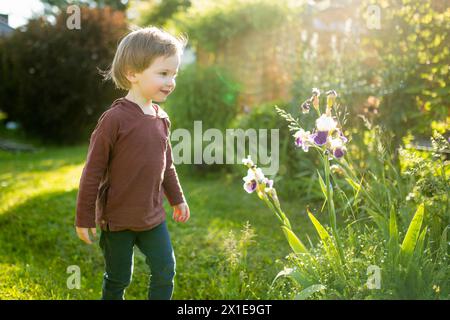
x=131, y=76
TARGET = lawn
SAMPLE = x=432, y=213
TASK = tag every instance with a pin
x=214, y=261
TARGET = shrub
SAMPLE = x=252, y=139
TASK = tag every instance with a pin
x=212, y=25
x=52, y=84
x=203, y=94
x=384, y=234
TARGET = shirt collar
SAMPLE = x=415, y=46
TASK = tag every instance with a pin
x=161, y=113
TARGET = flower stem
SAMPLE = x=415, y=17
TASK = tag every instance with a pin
x=331, y=209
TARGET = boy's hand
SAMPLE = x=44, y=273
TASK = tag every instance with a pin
x=83, y=234
x=181, y=212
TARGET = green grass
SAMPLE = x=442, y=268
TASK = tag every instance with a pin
x=38, y=241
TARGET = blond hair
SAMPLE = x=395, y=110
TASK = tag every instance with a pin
x=137, y=51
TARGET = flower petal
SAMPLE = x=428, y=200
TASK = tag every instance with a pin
x=338, y=152
x=320, y=137
x=250, y=186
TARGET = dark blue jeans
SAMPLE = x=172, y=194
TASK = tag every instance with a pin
x=155, y=244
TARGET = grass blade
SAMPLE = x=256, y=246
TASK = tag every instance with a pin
x=295, y=243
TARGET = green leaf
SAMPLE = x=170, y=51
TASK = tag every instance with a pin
x=393, y=244
x=322, y=186
x=295, y=243
x=293, y=274
x=354, y=185
x=323, y=205
x=380, y=220
x=420, y=242
x=324, y=236
x=286, y=272
x=306, y=293
x=410, y=241
x=393, y=230
x=443, y=243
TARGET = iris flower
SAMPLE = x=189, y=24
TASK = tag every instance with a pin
x=331, y=98
x=248, y=161
x=250, y=181
x=306, y=106
x=315, y=98
x=337, y=147
x=256, y=177
x=303, y=139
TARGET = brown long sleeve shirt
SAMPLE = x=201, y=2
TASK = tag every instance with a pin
x=128, y=169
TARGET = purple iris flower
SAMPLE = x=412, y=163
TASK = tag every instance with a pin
x=250, y=186
x=303, y=139
x=320, y=137
x=343, y=138
x=268, y=183
x=306, y=106
x=338, y=152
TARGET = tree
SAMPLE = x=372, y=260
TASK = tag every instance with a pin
x=53, y=7
x=50, y=79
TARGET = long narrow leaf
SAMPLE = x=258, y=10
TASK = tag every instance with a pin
x=420, y=243
x=322, y=186
x=410, y=241
x=306, y=293
x=393, y=235
x=295, y=243
x=324, y=236
x=355, y=185
x=294, y=274
x=443, y=243
x=393, y=230
x=380, y=221
x=323, y=205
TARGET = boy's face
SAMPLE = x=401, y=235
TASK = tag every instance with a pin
x=158, y=80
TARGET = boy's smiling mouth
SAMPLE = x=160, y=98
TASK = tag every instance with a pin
x=166, y=92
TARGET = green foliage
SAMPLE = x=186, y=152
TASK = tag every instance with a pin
x=412, y=235
x=329, y=246
x=162, y=12
x=234, y=265
x=37, y=207
x=411, y=270
x=397, y=76
x=55, y=5
x=296, y=245
x=422, y=277
x=203, y=95
x=429, y=175
x=211, y=25
x=50, y=81
x=413, y=53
